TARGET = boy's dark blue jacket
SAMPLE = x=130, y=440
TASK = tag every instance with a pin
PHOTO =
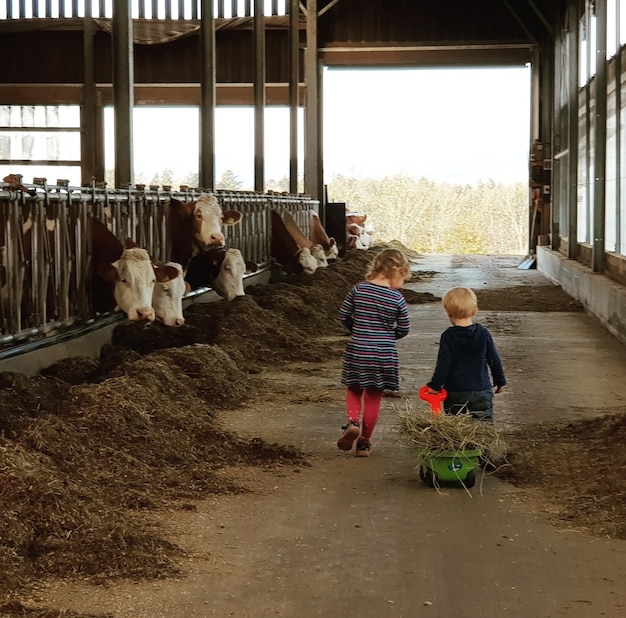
x=466, y=354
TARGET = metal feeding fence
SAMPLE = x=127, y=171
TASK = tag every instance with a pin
x=45, y=245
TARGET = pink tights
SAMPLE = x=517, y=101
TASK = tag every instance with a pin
x=368, y=401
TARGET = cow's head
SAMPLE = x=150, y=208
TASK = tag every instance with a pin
x=317, y=251
x=332, y=253
x=229, y=281
x=208, y=219
x=307, y=261
x=133, y=279
x=167, y=296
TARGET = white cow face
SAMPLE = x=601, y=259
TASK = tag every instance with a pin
x=134, y=283
x=317, y=251
x=167, y=298
x=229, y=281
x=364, y=241
x=208, y=219
x=307, y=261
x=332, y=253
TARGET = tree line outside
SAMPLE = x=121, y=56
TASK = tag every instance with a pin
x=424, y=215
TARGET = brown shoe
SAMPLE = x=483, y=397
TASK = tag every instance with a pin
x=351, y=432
x=363, y=448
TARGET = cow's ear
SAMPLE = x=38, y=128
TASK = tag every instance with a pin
x=130, y=244
x=108, y=272
x=187, y=287
x=165, y=273
x=231, y=217
x=217, y=258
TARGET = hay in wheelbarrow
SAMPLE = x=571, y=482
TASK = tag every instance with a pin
x=432, y=437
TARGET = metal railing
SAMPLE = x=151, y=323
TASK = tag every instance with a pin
x=45, y=244
x=141, y=9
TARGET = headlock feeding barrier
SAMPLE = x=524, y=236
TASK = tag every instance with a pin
x=45, y=248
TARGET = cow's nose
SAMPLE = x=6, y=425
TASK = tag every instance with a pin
x=146, y=313
x=179, y=321
x=217, y=239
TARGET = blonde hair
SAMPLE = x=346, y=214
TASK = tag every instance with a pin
x=460, y=303
x=388, y=263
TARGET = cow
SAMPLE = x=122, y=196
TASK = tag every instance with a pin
x=123, y=278
x=317, y=251
x=197, y=242
x=319, y=236
x=358, y=231
x=197, y=226
x=293, y=254
x=167, y=298
x=221, y=269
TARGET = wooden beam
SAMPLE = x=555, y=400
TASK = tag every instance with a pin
x=259, y=96
x=208, y=96
x=144, y=94
x=123, y=77
x=312, y=131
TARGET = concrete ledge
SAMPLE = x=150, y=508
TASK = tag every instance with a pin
x=601, y=297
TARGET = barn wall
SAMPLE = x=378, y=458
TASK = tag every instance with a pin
x=601, y=297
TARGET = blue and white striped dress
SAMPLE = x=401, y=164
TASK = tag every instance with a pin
x=376, y=316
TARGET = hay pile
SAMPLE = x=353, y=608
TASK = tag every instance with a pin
x=88, y=458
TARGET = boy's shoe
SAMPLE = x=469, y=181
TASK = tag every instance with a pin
x=363, y=448
x=351, y=432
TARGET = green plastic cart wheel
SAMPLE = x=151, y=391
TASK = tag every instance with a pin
x=431, y=478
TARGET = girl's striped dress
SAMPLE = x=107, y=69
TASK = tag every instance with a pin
x=376, y=316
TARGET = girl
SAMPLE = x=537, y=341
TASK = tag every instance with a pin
x=375, y=312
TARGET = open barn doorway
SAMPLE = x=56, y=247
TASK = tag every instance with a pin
x=437, y=158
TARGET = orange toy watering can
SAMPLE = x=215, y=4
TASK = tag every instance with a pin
x=434, y=399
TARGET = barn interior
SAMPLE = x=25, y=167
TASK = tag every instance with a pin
x=76, y=386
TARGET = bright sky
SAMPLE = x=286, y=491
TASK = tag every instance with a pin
x=459, y=125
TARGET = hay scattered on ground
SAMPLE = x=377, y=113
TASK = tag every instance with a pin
x=90, y=448
x=573, y=472
x=527, y=298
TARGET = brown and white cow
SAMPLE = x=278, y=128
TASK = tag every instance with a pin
x=167, y=298
x=358, y=231
x=319, y=236
x=290, y=247
x=197, y=242
x=197, y=226
x=123, y=278
x=221, y=269
x=316, y=249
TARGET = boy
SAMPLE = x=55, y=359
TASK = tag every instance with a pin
x=466, y=355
